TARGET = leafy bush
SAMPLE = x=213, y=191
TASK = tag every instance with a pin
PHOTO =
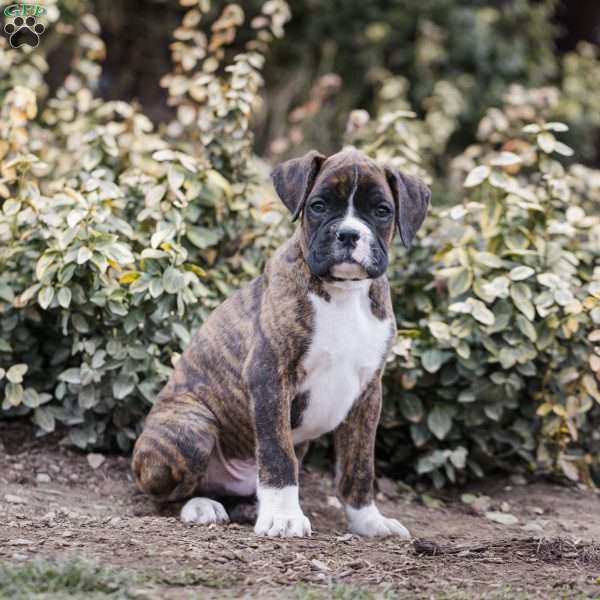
x=424, y=42
x=497, y=357
x=116, y=240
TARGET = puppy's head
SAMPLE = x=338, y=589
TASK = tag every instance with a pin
x=350, y=206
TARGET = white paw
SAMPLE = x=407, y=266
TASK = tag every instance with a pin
x=283, y=525
x=279, y=513
x=369, y=522
x=203, y=511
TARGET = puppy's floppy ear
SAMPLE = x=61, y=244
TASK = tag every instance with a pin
x=411, y=196
x=294, y=179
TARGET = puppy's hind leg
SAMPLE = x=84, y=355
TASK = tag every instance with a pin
x=171, y=457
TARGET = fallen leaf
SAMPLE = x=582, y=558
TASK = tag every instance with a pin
x=431, y=502
x=95, y=460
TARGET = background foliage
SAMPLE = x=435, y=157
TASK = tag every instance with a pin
x=117, y=241
x=123, y=224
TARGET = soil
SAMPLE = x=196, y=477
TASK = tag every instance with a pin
x=54, y=504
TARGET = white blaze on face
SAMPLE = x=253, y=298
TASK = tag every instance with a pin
x=361, y=255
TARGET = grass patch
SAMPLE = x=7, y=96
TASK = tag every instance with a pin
x=348, y=592
x=507, y=594
x=39, y=579
x=193, y=578
x=341, y=592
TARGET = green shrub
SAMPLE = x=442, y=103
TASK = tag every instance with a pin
x=117, y=240
x=70, y=579
x=497, y=357
x=474, y=47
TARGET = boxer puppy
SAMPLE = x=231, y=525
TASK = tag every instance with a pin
x=294, y=354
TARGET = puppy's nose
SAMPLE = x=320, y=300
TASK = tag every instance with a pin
x=348, y=236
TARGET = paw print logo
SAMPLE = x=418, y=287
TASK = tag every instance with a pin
x=24, y=32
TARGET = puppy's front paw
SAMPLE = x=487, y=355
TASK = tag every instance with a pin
x=293, y=524
x=369, y=522
x=203, y=511
x=279, y=513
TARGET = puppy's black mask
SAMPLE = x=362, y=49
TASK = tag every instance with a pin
x=350, y=207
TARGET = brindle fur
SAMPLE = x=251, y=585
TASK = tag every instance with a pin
x=239, y=378
x=237, y=371
x=355, y=447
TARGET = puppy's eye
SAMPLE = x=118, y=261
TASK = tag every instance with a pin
x=318, y=207
x=383, y=211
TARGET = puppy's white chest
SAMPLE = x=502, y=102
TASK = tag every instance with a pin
x=348, y=345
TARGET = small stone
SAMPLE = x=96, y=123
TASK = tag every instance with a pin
x=482, y=504
x=333, y=501
x=319, y=565
x=566, y=525
x=518, y=479
x=533, y=526
x=502, y=518
x=505, y=507
x=95, y=460
x=52, y=492
x=49, y=519
x=15, y=499
x=42, y=478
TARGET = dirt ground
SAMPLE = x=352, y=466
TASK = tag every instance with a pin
x=55, y=505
